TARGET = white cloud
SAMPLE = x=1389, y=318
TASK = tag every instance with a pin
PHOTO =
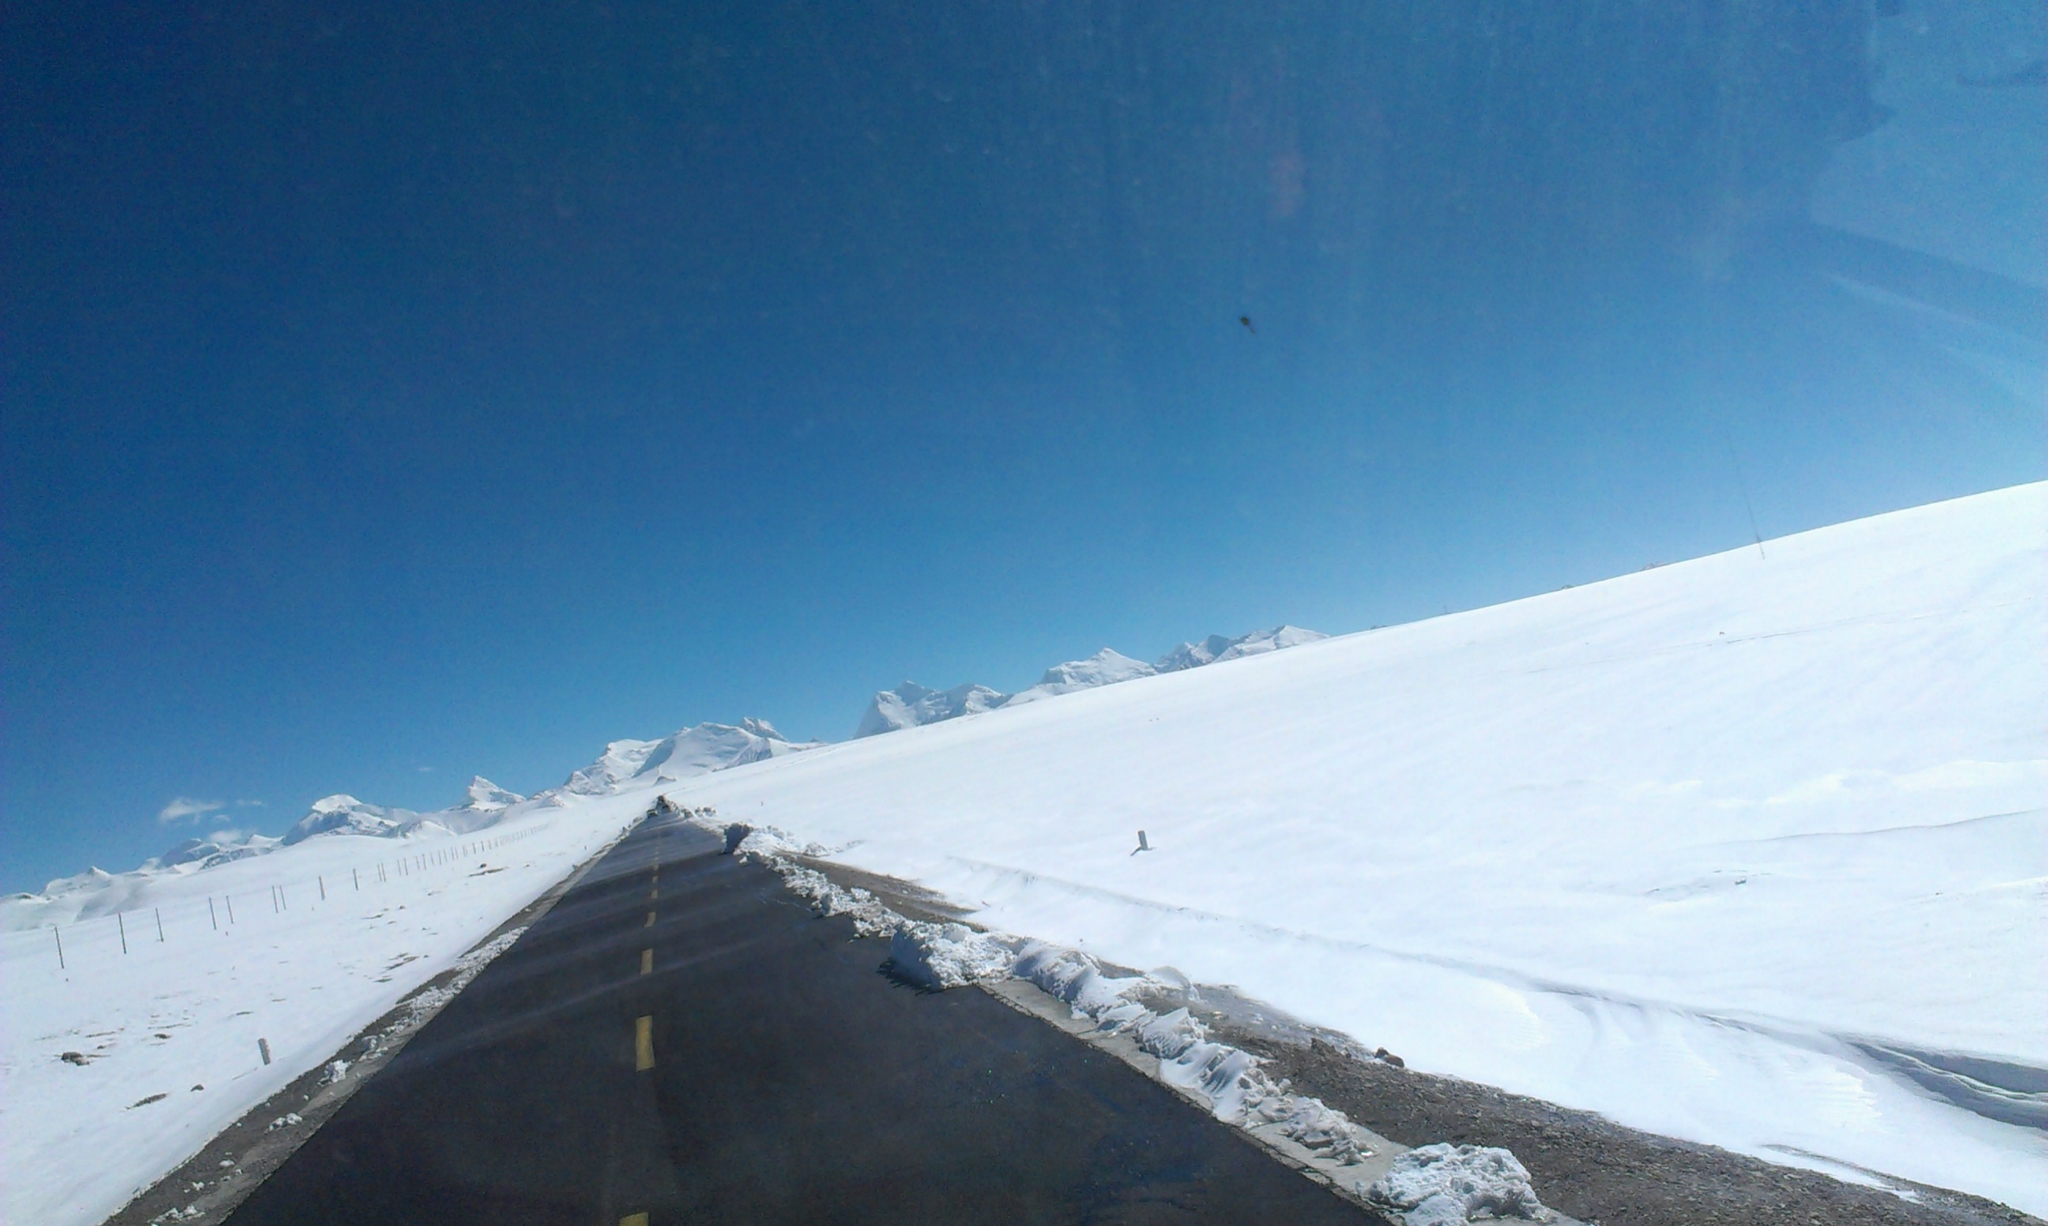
x=424, y=770
x=248, y=804
x=183, y=807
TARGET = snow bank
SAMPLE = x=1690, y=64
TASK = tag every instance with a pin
x=1682, y=847
x=1450, y=1185
x=941, y=956
x=163, y=1039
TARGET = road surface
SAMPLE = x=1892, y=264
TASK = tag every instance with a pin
x=681, y=1038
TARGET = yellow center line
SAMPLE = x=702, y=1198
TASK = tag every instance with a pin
x=633, y=1219
x=643, y=1044
x=655, y=892
x=647, y=962
x=650, y=920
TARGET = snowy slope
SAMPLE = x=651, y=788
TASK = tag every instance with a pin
x=1716, y=849
x=165, y=1034
x=371, y=903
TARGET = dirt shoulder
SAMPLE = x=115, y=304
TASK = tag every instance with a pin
x=1595, y=1169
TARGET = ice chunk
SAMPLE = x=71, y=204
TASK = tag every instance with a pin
x=1448, y=1185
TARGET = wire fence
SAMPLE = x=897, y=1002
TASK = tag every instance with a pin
x=132, y=930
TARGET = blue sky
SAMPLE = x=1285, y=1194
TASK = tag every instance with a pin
x=395, y=395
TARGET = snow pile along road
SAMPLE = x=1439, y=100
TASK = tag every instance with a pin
x=937, y=957
x=1449, y=1185
x=1748, y=850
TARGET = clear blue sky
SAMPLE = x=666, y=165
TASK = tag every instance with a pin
x=393, y=393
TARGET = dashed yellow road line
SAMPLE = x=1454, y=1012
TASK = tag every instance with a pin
x=647, y=962
x=643, y=1044
x=650, y=920
x=633, y=1219
x=655, y=892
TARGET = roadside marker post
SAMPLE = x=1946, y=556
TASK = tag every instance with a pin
x=60, y=946
x=159, y=924
x=123, y=926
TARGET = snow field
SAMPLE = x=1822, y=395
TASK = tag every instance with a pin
x=1668, y=847
x=153, y=1025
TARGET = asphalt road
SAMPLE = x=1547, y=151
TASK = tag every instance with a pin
x=681, y=1038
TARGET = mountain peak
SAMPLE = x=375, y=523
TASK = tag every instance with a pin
x=910, y=704
x=761, y=728
x=482, y=794
x=1105, y=667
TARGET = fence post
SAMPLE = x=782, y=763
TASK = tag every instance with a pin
x=159, y=924
x=231, y=907
x=123, y=925
x=358, y=880
x=60, y=946
x=211, y=918
x=323, y=887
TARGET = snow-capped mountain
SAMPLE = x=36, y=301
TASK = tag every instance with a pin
x=487, y=797
x=344, y=813
x=217, y=848
x=1105, y=667
x=910, y=705
x=1216, y=648
x=691, y=751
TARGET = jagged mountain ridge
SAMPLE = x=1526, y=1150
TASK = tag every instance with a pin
x=911, y=705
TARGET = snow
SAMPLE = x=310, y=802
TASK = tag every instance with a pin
x=1449, y=1185
x=1691, y=847
x=300, y=942
x=345, y=814
x=1747, y=850
x=165, y=1036
x=691, y=751
x=1217, y=648
x=939, y=956
x=1105, y=667
x=911, y=705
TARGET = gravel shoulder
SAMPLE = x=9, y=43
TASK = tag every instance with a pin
x=1595, y=1169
